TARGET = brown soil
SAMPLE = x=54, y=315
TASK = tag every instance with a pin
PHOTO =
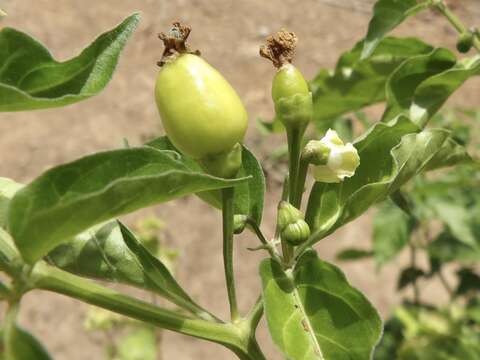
x=228, y=33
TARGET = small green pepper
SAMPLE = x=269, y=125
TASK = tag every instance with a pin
x=202, y=114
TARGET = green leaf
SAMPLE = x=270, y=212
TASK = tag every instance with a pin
x=456, y=216
x=139, y=344
x=71, y=198
x=390, y=155
x=403, y=83
x=447, y=248
x=10, y=261
x=392, y=229
x=8, y=188
x=451, y=154
x=314, y=313
x=357, y=83
x=387, y=15
x=469, y=281
x=353, y=254
x=111, y=252
x=409, y=276
x=24, y=346
x=30, y=78
x=249, y=196
x=432, y=93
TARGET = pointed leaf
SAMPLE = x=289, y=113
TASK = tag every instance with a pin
x=8, y=188
x=314, y=313
x=111, y=252
x=432, y=93
x=30, y=78
x=357, y=83
x=390, y=154
x=249, y=196
x=409, y=276
x=24, y=346
x=10, y=260
x=353, y=254
x=70, y=198
x=392, y=229
x=451, y=153
x=447, y=248
x=403, y=83
x=387, y=15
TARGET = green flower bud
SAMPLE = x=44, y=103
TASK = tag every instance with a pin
x=296, y=233
x=342, y=159
x=200, y=111
x=465, y=42
x=288, y=214
x=239, y=223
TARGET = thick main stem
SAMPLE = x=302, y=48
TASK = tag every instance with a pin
x=52, y=279
x=227, y=214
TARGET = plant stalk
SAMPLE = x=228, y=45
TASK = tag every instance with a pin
x=53, y=279
x=455, y=21
x=294, y=138
x=227, y=215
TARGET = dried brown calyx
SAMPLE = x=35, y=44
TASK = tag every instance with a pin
x=175, y=42
x=280, y=48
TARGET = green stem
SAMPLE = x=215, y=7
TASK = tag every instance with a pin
x=53, y=279
x=302, y=177
x=455, y=21
x=9, y=328
x=413, y=264
x=294, y=138
x=227, y=214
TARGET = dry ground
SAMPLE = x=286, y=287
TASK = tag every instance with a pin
x=228, y=32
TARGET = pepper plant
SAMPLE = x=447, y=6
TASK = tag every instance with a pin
x=60, y=232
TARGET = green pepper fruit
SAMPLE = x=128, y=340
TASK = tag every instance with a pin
x=465, y=42
x=290, y=92
x=202, y=114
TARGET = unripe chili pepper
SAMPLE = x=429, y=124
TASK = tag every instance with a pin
x=202, y=114
x=290, y=92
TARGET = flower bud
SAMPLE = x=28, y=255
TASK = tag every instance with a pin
x=465, y=42
x=334, y=160
x=288, y=214
x=239, y=223
x=296, y=233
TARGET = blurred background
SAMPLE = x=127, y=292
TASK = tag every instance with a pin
x=228, y=33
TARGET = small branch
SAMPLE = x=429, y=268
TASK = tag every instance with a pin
x=441, y=6
x=256, y=313
x=445, y=284
x=53, y=279
x=413, y=264
x=227, y=215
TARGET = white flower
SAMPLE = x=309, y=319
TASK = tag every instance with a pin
x=341, y=159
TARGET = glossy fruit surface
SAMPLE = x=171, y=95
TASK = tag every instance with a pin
x=200, y=111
